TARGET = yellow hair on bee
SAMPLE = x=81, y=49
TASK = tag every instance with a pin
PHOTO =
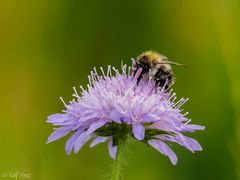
x=151, y=55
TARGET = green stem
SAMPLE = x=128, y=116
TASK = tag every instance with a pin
x=118, y=162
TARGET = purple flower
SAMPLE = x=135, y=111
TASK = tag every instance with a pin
x=115, y=106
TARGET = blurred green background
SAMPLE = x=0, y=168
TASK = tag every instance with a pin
x=47, y=47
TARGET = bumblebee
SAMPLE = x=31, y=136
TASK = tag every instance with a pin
x=157, y=67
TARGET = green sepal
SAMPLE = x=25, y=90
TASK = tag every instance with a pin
x=119, y=132
x=150, y=133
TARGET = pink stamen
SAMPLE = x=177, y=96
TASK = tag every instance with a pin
x=139, y=71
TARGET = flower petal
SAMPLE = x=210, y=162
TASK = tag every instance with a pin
x=193, y=144
x=138, y=131
x=149, y=118
x=70, y=142
x=98, y=140
x=150, y=103
x=187, y=142
x=164, y=149
x=164, y=125
x=138, y=108
x=88, y=117
x=191, y=127
x=94, y=126
x=112, y=150
x=59, y=133
x=81, y=140
x=115, y=116
x=58, y=118
x=126, y=120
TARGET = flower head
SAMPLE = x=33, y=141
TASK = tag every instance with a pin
x=114, y=106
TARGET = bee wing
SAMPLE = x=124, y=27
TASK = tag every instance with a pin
x=173, y=63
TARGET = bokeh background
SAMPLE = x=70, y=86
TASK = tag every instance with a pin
x=47, y=47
